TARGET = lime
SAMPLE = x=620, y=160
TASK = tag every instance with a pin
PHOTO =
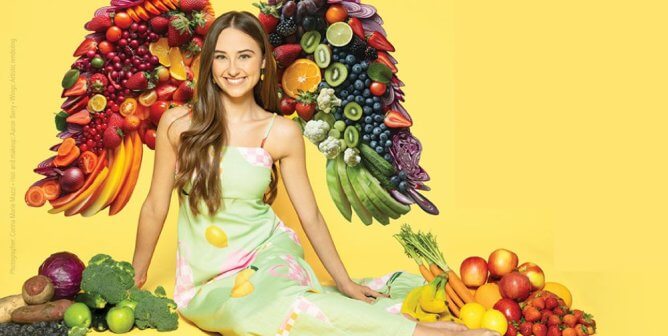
x=120, y=319
x=339, y=34
x=78, y=315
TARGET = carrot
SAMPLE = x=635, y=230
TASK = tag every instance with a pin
x=453, y=296
x=148, y=6
x=64, y=160
x=35, y=196
x=51, y=189
x=426, y=274
x=66, y=146
x=459, y=287
x=132, y=14
x=435, y=270
x=453, y=308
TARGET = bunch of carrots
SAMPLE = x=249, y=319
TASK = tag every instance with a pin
x=423, y=249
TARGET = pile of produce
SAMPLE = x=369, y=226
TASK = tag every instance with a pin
x=140, y=59
x=337, y=75
x=69, y=298
x=496, y=293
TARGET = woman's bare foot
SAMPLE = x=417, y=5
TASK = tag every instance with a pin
x=446, y=325
x=424, y=330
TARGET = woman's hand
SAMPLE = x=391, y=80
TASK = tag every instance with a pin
x=359, y=292
x=140, y=279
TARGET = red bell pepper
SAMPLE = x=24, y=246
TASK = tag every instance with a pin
x=394, y=119
x=85, y=46
x=79, y=88
x=378, y=41
x=80, y=118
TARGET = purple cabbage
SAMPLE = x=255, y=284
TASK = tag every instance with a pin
x=65, y=270
x=405, y=151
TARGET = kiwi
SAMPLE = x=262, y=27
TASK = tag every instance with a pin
x=322, y=56
x=327, y=117
x=352, y=136
x=353, y=111
x=335, y=74
x=310, y=41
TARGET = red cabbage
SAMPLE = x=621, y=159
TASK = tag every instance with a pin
x=64, y=269
x=405, y=151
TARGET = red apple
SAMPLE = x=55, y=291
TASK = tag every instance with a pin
x=515, y=285
x=501, y=262
x=473, y=271
x=510, y=309
x=534, y=273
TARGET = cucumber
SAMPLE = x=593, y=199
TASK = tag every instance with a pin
x=336, y=191
x=376, y=160
x=366, y=185
x=362, y=213
x=384, y=180
x=353, y=174
x=384, y=196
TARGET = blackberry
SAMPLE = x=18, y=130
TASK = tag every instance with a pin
x=370, y=53
x=357, y=47
x=275, y=39
x=286, y=27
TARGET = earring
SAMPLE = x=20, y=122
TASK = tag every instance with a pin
x=262, y=74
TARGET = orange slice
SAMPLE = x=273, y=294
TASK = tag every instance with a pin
x=303, y=75
x=160, y=48
x=195, y=68
x=177, y=68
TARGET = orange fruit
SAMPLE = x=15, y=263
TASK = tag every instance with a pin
x=488, y=295
x=336, y=13
x=161, y=49
x=178, y=68
x=303, y=75
x=561, y=291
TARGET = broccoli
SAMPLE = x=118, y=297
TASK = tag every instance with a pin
x=352, y=156
x=77, y=331
x=108, y=278
x=154, y=310
x=316, y=130
x=331, y=147
x=94, y=301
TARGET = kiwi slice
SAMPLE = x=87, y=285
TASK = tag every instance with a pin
x=335, y=74
x=310, y=41
x=327, y=117
x=322, y=56
x=353, y=111
x=351, y=135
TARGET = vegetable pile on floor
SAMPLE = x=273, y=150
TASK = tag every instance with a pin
x=69, y=298
x=339, y=80
x=495, y=293
x=141, y=58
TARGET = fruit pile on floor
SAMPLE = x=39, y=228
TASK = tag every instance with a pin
x=67, y=297
x=140, y=59
x=496, y=293
x=339, y=80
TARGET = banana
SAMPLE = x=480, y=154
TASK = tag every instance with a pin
x=129, y=149
x=361, y=211
x=411, y=302
x=242, y=286
x=353, y=174
x=110, y=184
x=129, y=184
x=383, y=195
x=424, y=316
x=429, y=301
x=336, y=190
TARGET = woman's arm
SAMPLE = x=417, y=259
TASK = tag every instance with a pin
x=156, y=206
x=295, y=178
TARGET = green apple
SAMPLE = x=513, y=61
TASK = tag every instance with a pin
x=78, y=315
x=120, y=319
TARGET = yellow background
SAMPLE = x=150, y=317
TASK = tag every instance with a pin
x=544, y=132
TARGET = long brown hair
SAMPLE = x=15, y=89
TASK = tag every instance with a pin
x=200, y=149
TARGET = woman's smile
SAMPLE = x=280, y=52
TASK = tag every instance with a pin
x=235, y=81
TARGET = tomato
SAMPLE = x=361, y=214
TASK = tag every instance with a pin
x=105, y=47
x=131, y=123
x=122, y=20
x=157, y=109
x=114, y=34
x=336, y=13
x=128, y=106
x=147, y=98
x=87, y=161
x=377, y=88
x=149, y=138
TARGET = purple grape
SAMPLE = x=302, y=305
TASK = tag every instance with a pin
x=311, y=8
x=301, y=12
x=289, y=9
x=319, y=3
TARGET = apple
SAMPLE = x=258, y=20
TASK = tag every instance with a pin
x=510, y=309
x=501, y=262
x=473, y=271
x=534, y=273
x=515, y=285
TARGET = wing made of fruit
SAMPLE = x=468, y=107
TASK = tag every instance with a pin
x=140, y=58
x=337, y=76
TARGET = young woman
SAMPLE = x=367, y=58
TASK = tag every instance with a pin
x=240, y=270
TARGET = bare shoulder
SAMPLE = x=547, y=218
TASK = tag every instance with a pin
x=285, y=135
x=175, y=121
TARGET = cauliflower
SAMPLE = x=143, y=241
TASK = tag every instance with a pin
x=316, y=130
x=327, y=100
x=352, y=156
x=331, y=147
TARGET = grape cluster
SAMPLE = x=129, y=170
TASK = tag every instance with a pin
x=356, y=89
x=52, y=328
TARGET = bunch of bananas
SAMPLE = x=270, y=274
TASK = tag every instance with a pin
x=428, y=303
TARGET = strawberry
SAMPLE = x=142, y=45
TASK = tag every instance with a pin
x=553, y=331
x=268, y=16
x=356, y=25
x=559, y=311
x=192, y=5
x=305, y=106
x=178, y=31
x=195, y=46
x=79, y=88
x=115, y=120
x=570, y=320
x=97, y=83
x=99, y=23
x=554, y=320
x=85, y=46
x=526, y=328
x=512, y=330
x=287, y=53
x=531, y=314
x=201, y=22
x=551, y=303
x=538, y=302
x=580, y=330
x=378, y=41
x=159, y=24
x=112, y=137
x=287, y=105
x=568, y=332
x=139, y=81
x=586, y=319
x=184, y=92
x=539, y=329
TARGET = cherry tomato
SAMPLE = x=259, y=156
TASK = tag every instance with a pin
x=131, y=123
x=149, y=138
x=105, y=47
x=377, y=88
x=114, y=34
x=157, y=109
x=128, y=106
x=122, y=20
x=336, y=13
x=87, y=161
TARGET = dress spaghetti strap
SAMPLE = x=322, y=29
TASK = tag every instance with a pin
x=266, y=134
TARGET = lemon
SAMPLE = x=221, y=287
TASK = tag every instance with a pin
x=97, y=103
x=561, y=291
x=471, y=314
x=216, y=236
x=494, y=320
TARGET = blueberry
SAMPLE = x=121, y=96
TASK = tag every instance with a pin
x=364, y=64
x=403, y=186
x=366, y=94
x=374, y=136
x=350, y=97
x=335, y=58
x=376, y=131
x=338, y=115
x=373, y=143
x=380, y=150
x=323, y=85
x=342, y=55
x=367, y=110
x=366, y=137
x=376, y=99
x=357, y=92
x=387, y=131
x=348, y=122
x=382, y=137
x=375, y=123
x=344, y=102
x=377, y=117
x=367, y=82
x=359, y=85
x=368, y=119
x=401, y=175
x=369, y=102
x=388, y=143
x=388, y=157
x=359, y=100
x=357, y=68
x=352, y=76
x=368, y=128
x=377, y=107
x=362, y=76
x=344, y=93
x=395, y=180
x=383, y=127
x=351, y=59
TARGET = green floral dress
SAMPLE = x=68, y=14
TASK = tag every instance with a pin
x=242, y=271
